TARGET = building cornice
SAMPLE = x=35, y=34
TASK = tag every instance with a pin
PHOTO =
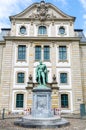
x=2, y=42
x=53, y=39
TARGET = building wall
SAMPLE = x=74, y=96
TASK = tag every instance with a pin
x=76, y=77
x=83, y=69
x=7, y=76
x=74, y=66
x=1, y=60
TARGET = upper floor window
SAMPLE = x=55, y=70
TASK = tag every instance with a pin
x=64, y=100
x=46, y=53
x=22, y=29
x=62, y=53
x=19, y=100
x=20, y=77
x=42, y=30
x=61, y=30
x=63, y=78
x=38, y=53
x=21, y=52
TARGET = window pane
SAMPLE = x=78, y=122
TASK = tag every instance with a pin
x=20, y=78
x=19, y=100
x=46, y=52
x=63, y=77
x=38, y=53
x=62, y=52
x=42, y=30
x=64, y=100
x=21, y=52
x=22, y=30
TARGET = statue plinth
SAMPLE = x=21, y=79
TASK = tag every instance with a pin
x=42, y=102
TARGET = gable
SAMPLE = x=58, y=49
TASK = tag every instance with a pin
x=42, y=11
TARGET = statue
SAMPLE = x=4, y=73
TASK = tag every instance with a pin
x=41, y=74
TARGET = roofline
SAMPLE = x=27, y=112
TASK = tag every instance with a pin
x=34, y=4
x=31, y=39
x=79, y=30
x=2, y=42
x=5, y=29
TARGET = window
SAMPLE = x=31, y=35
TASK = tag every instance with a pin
x=42, y=30
x=21, y=52
x=38, y=53
x=64, y=100
x=62, y=53
x=20, y=77
x=61, y=30
x=63, y=78
x=19, y=100
x=22, y=30
x=46, y=53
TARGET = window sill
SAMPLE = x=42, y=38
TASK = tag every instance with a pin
x=20, y=83
x=19, y=108
x=46, y=61
x=42, y=35
x=63, y=61
x=64, y=84
x=65, y=108
x=21, y=61
x=42, y=60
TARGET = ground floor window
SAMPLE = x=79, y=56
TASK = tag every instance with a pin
x=64, y=100
x=19, y=100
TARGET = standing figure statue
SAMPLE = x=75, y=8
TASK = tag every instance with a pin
x=41, y=74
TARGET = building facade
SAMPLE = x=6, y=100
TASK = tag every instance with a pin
x=42, y=32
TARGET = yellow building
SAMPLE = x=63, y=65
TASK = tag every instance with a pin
x=42, y=32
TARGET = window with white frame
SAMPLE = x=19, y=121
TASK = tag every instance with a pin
x=42, y=53
x=19, y=100
x=37, y=52
x=62, y=53
x=22, y=52
x=42, y=30
x=22, y=30
x=46, y=53
x=63, y=78
x=20, y=77
x=64, y=101
x=61, y=30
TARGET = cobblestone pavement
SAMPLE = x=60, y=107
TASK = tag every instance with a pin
x=75, y=124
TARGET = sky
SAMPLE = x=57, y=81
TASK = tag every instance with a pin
x=76, y=8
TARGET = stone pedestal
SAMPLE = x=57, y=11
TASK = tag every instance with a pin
x=41, y=102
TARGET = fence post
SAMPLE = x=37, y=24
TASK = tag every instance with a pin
x=3, y=113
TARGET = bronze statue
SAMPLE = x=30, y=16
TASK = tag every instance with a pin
x=41, y=74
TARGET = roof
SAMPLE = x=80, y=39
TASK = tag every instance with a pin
x=79, y=33
x=4, y=32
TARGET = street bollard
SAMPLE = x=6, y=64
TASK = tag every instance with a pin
x=3, y=113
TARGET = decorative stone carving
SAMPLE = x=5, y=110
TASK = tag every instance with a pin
x=30, y=78
x=42, y=12
x=54, y=78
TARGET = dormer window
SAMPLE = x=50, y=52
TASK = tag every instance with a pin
x=61, y=30
x=22, y=29
x=42, y=30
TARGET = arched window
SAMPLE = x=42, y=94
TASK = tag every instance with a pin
x=61, y=30
x=42, y=30
x=22, y=29
x=64, y=101
x=19, y=100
